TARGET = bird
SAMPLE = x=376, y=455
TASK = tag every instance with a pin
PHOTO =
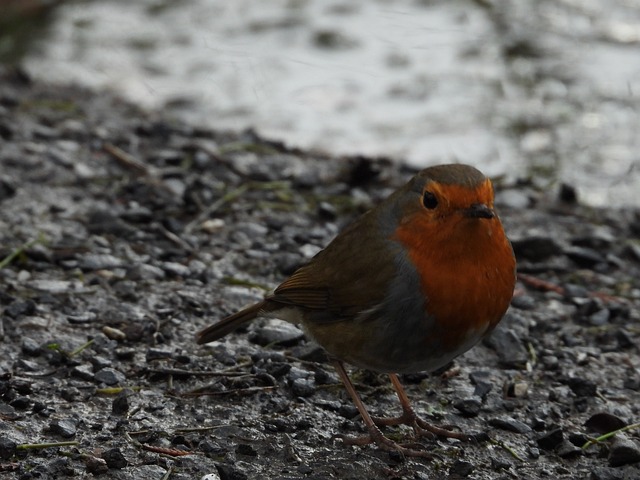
x=407, y=287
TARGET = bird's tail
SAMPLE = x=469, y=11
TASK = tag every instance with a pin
x=230, y=323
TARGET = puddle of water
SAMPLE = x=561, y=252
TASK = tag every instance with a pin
x=423, y=82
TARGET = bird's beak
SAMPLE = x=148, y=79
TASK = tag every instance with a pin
x=479, y=210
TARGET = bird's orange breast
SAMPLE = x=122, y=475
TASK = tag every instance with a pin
x=467, y=273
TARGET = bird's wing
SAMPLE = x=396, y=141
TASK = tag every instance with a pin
x=348, y=277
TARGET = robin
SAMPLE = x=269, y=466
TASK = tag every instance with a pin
x=410, y=285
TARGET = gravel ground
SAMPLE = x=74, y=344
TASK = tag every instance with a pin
x=124, y=233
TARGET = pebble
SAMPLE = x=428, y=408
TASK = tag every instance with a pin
x=114, y=333
x=277, y=332
x=582, y=387
x=61, y=467
x=144, y=271
x=524, y=302
x=84, y=372
x=19, y=308
x=96, y=466
x=584, y=257
x=600, y=318
x=509, y=348
x=461, y=469
x=536, y=248
x=120, y=404
x=176, y=269
x=468, y=407
x=482, y=381
x=99, y=261
x=510, y=424
x=246, y=449
x=606, y=473
x=65, y=427
x=303, y=387
x=624, y=451
x=99, y=362
x=20, y=403
x=158, y=354
x=109, y=376
x=8, y=447
x=81, y=318
x=550, y=440
x=30, y=347
x=211, y=476
x=114, y=458
x=566, y=449
x=326, y=211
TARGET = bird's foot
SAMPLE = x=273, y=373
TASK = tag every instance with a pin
x=421, y=427
x=384, y=443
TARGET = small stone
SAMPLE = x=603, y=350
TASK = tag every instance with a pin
x=51, y=286
x=109, y=376
x=125, y=353
x=114, y=458
x=584, y=257
x=461, y=469
x=568, y=194
x=158, y=354
x=20, y=403
x=550, y=362
x=212, y=225
x=604, y=423
x=500, y=464
x=8, y=447
x=510, y=424
x=61, y=467
x=536, y=248
x=20, y=308
x=95, y=261
x=120, y=404
x=211, y=476
x=468, y=407
x=30, y=347
x=65, y=427
x=287, y=262
x=623, y=452
x=81, y=318
x=524, y=302
x=246, y=449
x=280, y=333
x=326, y=211
x=606, y=473
x=550, y=440
x=303, y=387
x=508, y=346
x=566, y=449
x=114, y=333
x=96, y=466
x=599, y=318
x=70, y=394
x=144, y=271
x=176, y=269
x=84, y=372
x=518, y=389
x=100, y=362
x=582, y=387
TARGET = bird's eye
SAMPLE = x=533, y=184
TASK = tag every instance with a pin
x=429, y=200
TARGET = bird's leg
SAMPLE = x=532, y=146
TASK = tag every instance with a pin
x=409, y=416
x=375, y=435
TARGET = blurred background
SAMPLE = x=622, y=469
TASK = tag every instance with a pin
x=540, y=90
